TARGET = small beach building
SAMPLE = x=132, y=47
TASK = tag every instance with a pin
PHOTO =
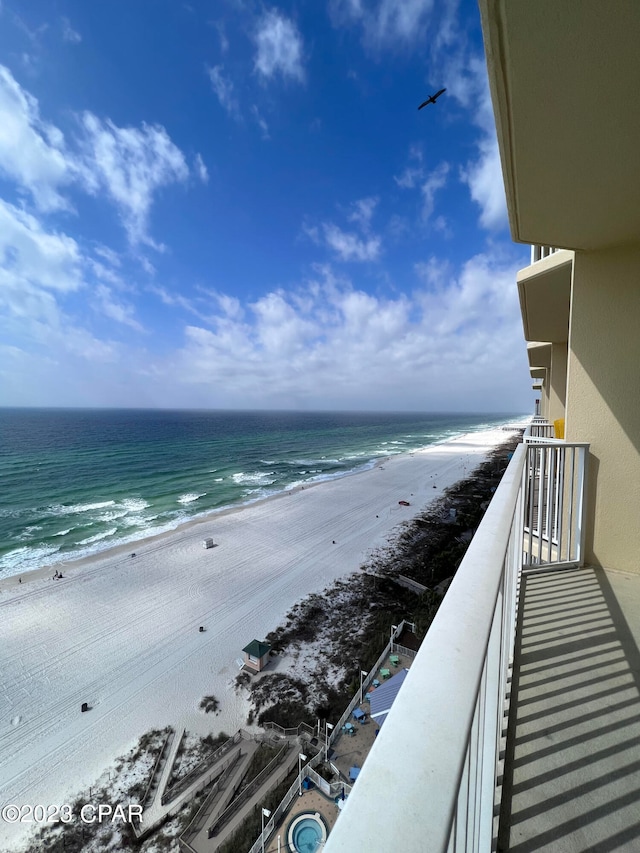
x=256, y=655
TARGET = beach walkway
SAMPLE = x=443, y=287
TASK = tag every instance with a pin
x=233, y=815
x=228, y=771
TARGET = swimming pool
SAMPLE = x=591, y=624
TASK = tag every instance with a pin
x=307, y=833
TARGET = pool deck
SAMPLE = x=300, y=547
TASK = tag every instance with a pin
x=310, y=801
x=350, y=750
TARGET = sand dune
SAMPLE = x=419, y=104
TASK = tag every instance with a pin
x=121, y=633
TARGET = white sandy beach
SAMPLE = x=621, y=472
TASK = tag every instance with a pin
x=121, y=633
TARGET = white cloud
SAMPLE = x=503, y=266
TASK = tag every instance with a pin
x=362, y=212
x=349, y=246
x=326, y=344
x=222, y=35
x=108, y=255
x=278, y=47
x=434, y=182
x=146, y=265
x=174, y=299
x=224, y=90
x=385, y=23
x=429, y=184
x=230, y=306
x=69, y=34
x=441, y=224
x=435, y=272
x=201, y=169
x=476, y=308
x=409, y=177
x=32, y=152
x=262, y=124
x=470, y=85
x=40, y=270
x=332, y=345
x=131, y=164
x=486, y=185
x=32, y=257
x=281, y=330
x=108, y=305
x=467, y=82
x=105, y=273
x=412, y=173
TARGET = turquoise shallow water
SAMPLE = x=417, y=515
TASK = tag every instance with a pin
x=74, y=482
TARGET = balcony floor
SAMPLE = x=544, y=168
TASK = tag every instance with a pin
x=572, y=769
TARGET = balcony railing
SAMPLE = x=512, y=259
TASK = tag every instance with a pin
x=554, y=487
x=541, y=430
x=436, y=767
x=540, y=252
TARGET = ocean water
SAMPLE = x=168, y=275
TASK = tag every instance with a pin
x=74, y=482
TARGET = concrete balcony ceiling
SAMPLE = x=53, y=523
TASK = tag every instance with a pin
x=564, y=81
x=544, y=289
x=539, y=354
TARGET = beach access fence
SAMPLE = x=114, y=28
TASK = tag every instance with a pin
x=220, y=770
x=403, y=650
x=203, y=813
x=201, y=768
x=330, y=789
x=301, y=730
x=168, y=740
x=275, y=818
x=177, y=756
x=249, y=791
x=411, y=585
x=225, y=770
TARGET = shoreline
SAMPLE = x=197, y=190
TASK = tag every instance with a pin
x=73, y=564
x=122, y=633
x=125, y=548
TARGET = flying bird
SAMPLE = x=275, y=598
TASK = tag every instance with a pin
x=432, y=98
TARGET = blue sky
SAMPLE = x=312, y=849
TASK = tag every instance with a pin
x=236, y=204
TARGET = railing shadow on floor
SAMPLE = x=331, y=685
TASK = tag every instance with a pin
x=572, y=765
